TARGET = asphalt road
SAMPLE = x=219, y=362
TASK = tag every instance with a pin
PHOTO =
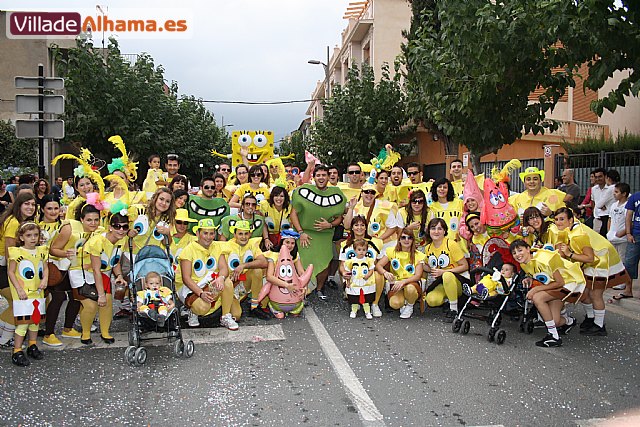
x=326, y=369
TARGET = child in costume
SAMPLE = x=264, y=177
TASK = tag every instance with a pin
x=155, y=176
x=361, y=288
x=493, y=284
x=154, y=300
x=28, y=274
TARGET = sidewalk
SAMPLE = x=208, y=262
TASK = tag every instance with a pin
x=629, y=307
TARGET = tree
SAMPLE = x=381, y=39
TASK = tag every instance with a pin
x=106, y=95
x=360, y=117
x=18, y=155
x=295, y=144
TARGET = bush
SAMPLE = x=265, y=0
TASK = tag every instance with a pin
x=624, y=142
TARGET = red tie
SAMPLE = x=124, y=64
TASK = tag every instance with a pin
x=35, y=317
x=361, y=301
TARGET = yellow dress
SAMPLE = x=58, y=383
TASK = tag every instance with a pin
x=204, y=263
x=9, y=229
x=178, y=246
x=147, y=231
x=554, y=199
x=109, y=253
x=275, y=220
x=383, y=216
x=400, y=263
x=419, y=235
x=29, y=272
x=450, y=212
x=544, y=263
x=444, y=257
x=262, y=193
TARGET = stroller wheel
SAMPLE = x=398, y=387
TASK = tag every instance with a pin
x=141, y=355
x=455, y=327
x=130, y=355
x=530, y=326
x=178, y=348
x=521, y=327
x=466, y=325
x=502, y=335
x=189, y=349
x=491, y=335
x=134, y=337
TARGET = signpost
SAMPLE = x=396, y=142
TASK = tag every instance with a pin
x=40, y=104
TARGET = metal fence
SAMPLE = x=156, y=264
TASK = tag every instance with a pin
x=627, y=163
x=515, y=184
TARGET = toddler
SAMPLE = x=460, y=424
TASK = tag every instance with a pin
x=155, y=301
x=491, y=284
x=361, y=288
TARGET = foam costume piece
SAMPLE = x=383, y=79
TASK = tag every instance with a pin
x=360, y=286
x=312, y=204
x=156, y=300
x=258, y=143
x=385, y=160
x=230, y=221
x=280, y=299
x=29, y=271
x=124, y=163
x=471, y=191
x=308, y=157
x=201, y=208
x=497, y=213
x=490, y=285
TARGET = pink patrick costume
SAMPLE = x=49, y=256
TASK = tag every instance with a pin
x=497, y=213
x=281, y=300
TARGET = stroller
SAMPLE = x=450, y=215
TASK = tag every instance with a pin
x=491, y=310
x=153, y=258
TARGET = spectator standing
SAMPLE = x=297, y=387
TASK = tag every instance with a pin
x=56, y=190
x=632, y=229
x=6, y=197
x=617, y=214
x=602, y=195
x=572, y=189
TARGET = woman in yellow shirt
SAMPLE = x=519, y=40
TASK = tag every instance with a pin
x=276, y=213
x=446, y=206
x=255, y=186
x=414, y=217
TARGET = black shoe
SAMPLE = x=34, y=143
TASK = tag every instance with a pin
x=549, y=341
x=20, y=359
x=587, y=323
x=449, y=316
x=594, y=331
x=258, y=313
x=34, y=352
x=86, y=342
x=565, y=329
x=320, y=293
x=108, y=340
x=330, y=283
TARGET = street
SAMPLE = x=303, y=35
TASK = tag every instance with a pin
x=326, y=369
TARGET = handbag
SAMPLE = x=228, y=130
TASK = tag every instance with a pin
x=87, y=290
x=55, y=275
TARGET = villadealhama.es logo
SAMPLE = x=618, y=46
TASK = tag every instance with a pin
x=125, y=23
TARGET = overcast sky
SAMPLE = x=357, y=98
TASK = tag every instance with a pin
x=241, y=50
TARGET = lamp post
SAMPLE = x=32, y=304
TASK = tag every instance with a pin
x=103, y=10
x=327, y=91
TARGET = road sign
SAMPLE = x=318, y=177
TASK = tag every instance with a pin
x=31, y=129
x=53, y=83
x=53, y=104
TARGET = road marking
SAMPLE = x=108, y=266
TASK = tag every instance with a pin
x=199, y=336
x=627, y=420
x=623, y=312
x=366, y=408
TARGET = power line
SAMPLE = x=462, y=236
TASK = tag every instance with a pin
x=261, y=102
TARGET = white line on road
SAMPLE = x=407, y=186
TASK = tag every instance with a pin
x=366, y=408
x=199, y=336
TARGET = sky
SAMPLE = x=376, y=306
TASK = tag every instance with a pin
x=240, y=50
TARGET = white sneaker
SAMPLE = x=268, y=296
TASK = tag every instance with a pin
x=193, y=320
x=368, y=316
x=375, y=310
x=402, y=310
x=229, y=322
x=408, y=311
x=94, y=326
x=353, y=314
x=620, y=287
x=184, y=311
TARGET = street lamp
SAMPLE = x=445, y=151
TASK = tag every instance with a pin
x=103, y=10
x=327, y=92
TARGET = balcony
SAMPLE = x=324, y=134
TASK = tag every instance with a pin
x=571, y=131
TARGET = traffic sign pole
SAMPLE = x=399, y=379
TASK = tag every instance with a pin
x=41, y=171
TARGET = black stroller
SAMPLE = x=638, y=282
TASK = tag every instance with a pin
x=491, y=309
x=153, y=259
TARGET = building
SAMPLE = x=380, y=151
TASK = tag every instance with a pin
x=373, y=35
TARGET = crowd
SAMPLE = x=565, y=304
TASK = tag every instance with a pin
x=257, y=234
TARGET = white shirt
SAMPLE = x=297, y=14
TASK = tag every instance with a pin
x=602, y=197
x=617, y=214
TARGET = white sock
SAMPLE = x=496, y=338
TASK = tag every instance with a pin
x=588, y=308
x=551, y=327
x=599, y=317
x=453, y=305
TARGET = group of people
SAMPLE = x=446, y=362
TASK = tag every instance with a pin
x=247, y=230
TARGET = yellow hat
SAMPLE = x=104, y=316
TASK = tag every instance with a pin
x=205, y=224
x=369, y=186
x=532, y=170
x=240, y=225
x=183, y=215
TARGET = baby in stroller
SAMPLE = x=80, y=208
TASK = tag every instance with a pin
x=154, y=300
x=498, y=282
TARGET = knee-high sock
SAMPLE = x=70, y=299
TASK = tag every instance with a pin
x=105, y=314
x=87, y=314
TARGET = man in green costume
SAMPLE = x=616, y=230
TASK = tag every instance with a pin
x=201, y=208
x=316, y=210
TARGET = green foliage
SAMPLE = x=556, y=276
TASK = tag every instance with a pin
x=106, y=95
x=624, y=142
x=18, y=155
x=294, y=144
x=360, y=117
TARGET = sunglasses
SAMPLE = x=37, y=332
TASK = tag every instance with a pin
x=256, y=174
x=418, y=201
x=368, y=192
x=353, y=172
x=405, y=237
x=182, y=222
x=208, y=187
x=225, y=170
x=250, y=204
x=412, y=173
x=120, y=226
